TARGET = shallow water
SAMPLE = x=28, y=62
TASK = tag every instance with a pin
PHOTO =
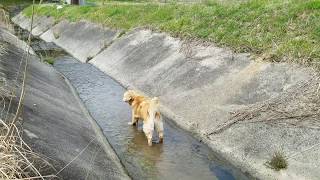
x=180, y=156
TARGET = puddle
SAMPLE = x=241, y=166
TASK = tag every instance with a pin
x=181, y=156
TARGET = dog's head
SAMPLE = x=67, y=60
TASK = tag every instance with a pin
x=129, y=96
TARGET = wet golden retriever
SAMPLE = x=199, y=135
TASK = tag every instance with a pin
x=146, y=109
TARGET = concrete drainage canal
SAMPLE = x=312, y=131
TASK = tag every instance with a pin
x=180, y=157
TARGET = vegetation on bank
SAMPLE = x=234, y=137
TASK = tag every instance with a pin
x=6, y=3
x=49, y=60
x=275, y=30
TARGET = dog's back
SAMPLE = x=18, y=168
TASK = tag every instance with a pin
x=138, y=105
x=147, y=109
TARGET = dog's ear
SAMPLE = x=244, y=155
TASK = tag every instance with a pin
x=131, y=100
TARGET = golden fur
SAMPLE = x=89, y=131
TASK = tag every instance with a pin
x=146, y=109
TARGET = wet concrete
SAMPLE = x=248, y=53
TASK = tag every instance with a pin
x=180, y=157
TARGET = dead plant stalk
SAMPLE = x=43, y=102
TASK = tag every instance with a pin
x=23, y=88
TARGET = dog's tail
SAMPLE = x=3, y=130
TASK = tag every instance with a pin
x=155, y=100
x=154, y=107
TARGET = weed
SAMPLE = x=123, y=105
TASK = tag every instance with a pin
x=278, y=161
x=121, y=34
x=49, y=60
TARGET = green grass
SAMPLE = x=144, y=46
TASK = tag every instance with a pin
x=276, y=30
x=99, y=2
x=49, y=60
x=16, y=2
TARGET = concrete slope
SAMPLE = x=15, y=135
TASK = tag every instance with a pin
x=56, y=124
x=245, y=110
x=8, y=37
x=194, y=78
x=40, y=24
x=201, y=87
x=23, y=21
x=83, y=40
x=44, y=23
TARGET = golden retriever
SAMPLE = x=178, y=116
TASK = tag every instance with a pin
x=146, y=109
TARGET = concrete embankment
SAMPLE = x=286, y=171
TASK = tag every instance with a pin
x=55, y=123
x=243, y=109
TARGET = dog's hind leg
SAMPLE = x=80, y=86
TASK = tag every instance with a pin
x=159, y=126
x=148, y=128
x=149, y=137
x=160, y=136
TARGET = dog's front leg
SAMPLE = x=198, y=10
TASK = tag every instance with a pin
x=133, y=119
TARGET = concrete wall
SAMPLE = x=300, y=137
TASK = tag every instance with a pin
x=56, y=125
x=10, y=38
x=201, y=87
x=85, y=40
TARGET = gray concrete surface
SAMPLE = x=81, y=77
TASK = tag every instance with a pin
x=12, y=39
x=202, y=87
x=48, y=35
x=23, y=21
x=83, y=40
x=93, y=38
x=56, y=124
x=26, y=22
x=44, y=23
x=40, y=24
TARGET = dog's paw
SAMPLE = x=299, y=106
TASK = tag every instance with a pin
x=132, y=124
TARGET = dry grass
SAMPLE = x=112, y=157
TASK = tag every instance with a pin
x=2, y=49
x=299, y=106
x=17, y=160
